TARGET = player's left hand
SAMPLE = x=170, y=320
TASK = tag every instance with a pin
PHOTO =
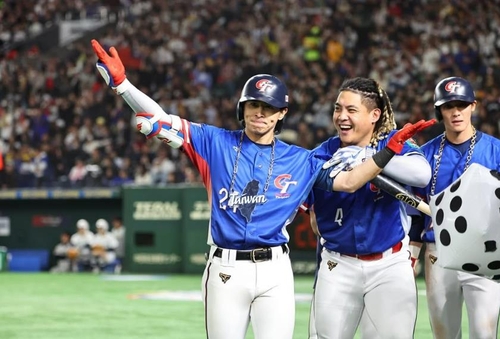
x=346, y=158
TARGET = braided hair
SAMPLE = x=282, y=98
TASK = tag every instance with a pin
x=373, y=96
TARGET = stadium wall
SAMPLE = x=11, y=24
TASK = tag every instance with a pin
x=166, y=228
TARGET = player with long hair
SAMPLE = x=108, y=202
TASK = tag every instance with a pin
x=365, y=269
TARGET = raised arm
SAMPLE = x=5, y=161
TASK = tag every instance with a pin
x=350, y=181
x=156, y=122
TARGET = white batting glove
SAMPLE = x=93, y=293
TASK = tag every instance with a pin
x=346, y=158
x=151, y=126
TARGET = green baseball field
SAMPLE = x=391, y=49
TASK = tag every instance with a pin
x=81, y=306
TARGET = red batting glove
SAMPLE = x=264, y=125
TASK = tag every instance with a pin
x=110, y=67
x=397, y=141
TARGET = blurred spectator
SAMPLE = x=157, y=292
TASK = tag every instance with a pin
x=41, y=167
x=161, y=167
x=206, y=53
x=334, y=47
x=142, y=175
x=65, y=255
x=21, y=20
x=78, y=173
x=8, y=176
x=109, y=176
x=312, y=44
x=122, y=178
x=118, y=230
x=191, y=176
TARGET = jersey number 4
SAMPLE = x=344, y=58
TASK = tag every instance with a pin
x=338, y=216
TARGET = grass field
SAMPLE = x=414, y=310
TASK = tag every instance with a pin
x=57, y=306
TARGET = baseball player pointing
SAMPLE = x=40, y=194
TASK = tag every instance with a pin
x=255, y=184
x=450, y=154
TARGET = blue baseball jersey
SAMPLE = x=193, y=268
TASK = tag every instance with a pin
x=366, y=221
x=486, y=152
x=244, y=215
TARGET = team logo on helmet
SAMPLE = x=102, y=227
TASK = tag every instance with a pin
x=452, y=86
x=264, y=85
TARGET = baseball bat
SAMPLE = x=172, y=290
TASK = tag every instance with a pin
x=399, y=192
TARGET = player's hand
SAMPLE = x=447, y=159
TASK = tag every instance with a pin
x=397, y=141
x=414, y=262
x=109, y=65
x=414, y=251
x=346, y=158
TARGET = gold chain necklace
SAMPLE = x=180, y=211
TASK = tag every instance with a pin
x=235, y=168
x=440, y=155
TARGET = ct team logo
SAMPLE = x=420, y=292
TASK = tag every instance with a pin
x=264, y=85
x=283, y=182
x=452, y=86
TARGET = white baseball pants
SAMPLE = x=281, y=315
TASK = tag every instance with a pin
x=237, y=292
x=446, y=291
x=384, y=289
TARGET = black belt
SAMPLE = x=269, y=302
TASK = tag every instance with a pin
x=256, y=255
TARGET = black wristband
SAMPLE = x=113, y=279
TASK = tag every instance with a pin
x=383, y=157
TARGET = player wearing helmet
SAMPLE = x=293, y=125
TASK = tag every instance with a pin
x=103, y=247
x=364, y=271
x=450, y=154
x=255, y=184
x=267, y=89
x=82, y=240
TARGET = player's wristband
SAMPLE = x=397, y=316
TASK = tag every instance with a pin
x=122, y=88
x=383, y=157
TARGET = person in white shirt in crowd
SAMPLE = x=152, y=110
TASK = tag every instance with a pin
x=118, y=230
x=161, y=167
x=104, y=245
x=142, y=176
x=78, y=173
x=40, y=166
x=82, y=240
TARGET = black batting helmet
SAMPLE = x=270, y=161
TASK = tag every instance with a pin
x=452, y=89
x=266, y=88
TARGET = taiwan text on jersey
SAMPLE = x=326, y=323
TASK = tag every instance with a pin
x=367, y=221
x=486, y=152
x=254, y=192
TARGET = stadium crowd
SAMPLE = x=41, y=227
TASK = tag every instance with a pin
x=60, y=127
